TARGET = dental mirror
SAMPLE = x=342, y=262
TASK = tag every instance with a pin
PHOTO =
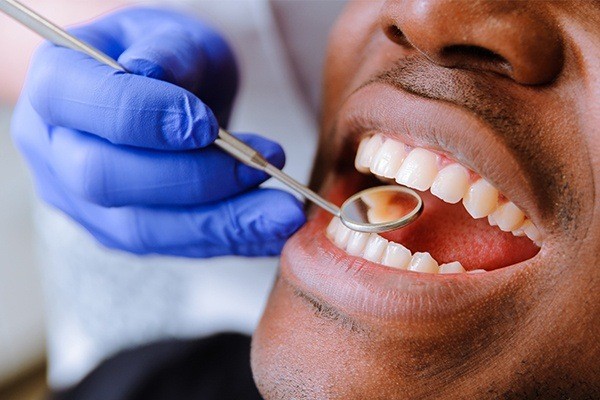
x=381, y=209
x=373, y=210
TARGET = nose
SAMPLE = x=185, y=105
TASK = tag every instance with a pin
x=514, y=38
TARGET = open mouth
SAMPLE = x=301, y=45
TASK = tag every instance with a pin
x=477, y=241
x=467, y=224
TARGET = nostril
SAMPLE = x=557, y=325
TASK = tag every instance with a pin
x=473, y=52
x=394, y=32
x=396, y=35
x=475, y=57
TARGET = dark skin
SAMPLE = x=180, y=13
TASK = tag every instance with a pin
x=529, y=72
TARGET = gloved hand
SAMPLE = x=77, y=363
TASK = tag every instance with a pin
x=129, y=156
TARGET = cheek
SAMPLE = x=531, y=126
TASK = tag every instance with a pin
x=347, y=41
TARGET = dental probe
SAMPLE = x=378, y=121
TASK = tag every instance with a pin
x=372, y=210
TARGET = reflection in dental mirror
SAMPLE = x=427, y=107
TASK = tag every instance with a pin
x=381, y=209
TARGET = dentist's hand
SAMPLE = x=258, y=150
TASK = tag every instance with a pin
x=128, y=156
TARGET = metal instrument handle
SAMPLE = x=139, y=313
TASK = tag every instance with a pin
x=253, y=158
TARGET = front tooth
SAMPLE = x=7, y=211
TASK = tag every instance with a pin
x=366, y=151
x=481, y=199
x=491, y=220
x=508, y=217
x=356, y=243
x=374, y=248
x=451, y=183
x=423, y=262
x=531, y=231
x=396, y=256
x=333, y=227
x=451, y=268
x=418, y=170
x=388, y=159
x=342, y=235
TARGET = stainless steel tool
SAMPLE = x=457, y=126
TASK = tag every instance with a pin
x=378, y=209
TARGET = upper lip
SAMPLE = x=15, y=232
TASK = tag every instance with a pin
x=441, y=127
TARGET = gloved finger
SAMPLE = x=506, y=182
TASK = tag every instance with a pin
x=172, y=47
x=112, y=175
x=255, y=223
x=69, y=89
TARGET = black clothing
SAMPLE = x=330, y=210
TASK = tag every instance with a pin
x=214, y=368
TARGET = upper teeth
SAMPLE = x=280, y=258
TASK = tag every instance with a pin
x=422, y=169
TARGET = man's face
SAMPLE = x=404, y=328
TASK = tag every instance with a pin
x=488, y=108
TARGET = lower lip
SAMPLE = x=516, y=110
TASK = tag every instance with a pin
x=364, y=290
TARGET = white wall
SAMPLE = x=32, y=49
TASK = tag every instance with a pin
x=21, y=316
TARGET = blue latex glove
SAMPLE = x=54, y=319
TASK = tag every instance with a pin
x=126, y=155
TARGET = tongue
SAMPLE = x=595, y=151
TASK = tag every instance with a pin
x=449, y=233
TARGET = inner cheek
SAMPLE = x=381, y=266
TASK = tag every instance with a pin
x=448, y=233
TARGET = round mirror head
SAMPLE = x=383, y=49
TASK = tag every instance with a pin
x=381, y=209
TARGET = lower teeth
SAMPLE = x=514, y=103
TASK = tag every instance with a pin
x=375, y=248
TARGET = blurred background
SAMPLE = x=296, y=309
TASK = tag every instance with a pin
x=21, y=310
x=22, y=338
